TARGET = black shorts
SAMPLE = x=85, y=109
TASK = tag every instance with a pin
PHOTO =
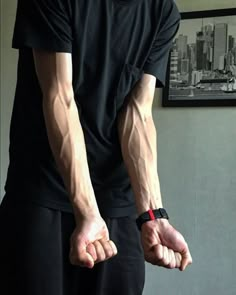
x=34, y=255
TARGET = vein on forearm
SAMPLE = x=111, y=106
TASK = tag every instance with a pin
x=67, y=142
x=65, y=134
x=138, y=142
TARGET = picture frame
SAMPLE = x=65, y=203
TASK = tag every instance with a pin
x=202, y=64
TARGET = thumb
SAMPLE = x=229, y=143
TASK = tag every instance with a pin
x=81, y=257
x=186, y=258
x=88, y=261
x=178, y=244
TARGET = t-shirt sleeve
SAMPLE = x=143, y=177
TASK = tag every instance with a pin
x=43, y=24
x=157, y=60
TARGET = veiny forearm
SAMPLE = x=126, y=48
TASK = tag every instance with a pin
x=138, y=142
x=67, y=143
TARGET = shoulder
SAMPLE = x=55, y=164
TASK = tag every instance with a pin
x=163, y=9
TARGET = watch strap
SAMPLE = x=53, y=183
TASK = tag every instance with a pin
x=151, y=215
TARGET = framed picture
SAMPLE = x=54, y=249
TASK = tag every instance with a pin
x=202, y=63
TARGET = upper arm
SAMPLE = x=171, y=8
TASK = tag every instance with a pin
x=142, y=95
x=45, y=26
x=54, y=71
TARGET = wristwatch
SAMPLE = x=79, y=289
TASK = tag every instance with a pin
x=151, y=215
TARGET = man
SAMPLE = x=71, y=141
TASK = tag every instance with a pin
x=83, y=149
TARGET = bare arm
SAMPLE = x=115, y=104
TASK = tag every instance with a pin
x=64, y=130
x=162, y=244
x=90, y=241
x=138, y=140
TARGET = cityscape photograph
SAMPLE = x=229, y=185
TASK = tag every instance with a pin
x=203, y=60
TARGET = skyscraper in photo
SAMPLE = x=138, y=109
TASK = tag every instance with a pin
x=199, y=50
x=231, y=43
x=208, y=47
x=181, y=44
x=185, y=66
x=192, y=57
x=229, y=60
x=174, y=64
x=234, y=55
x=220, y=44
x=204, y=45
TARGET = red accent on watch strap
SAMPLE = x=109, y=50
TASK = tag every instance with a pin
x=152, y=217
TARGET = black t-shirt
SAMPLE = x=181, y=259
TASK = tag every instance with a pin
x=112, y=42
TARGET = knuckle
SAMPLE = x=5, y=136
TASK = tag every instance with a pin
x=159, y=255
x=172, y=265
x=101, y=256
x=109, y=253
x=165, y=261
x=113, y=249
x=108, y=249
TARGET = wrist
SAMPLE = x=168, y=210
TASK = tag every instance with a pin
x=152, y=215
x=151, y=205
x=151, y=200
x=85, y=210
x=85, y=215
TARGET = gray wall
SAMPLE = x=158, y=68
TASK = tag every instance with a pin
x=197, y=167
x=0, y=90
x=8, y=79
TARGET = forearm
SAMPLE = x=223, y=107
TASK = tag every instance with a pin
x=138, y=142
x=67, y=143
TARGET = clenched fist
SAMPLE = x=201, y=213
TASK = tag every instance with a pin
x=90, y=243
x=164, y=246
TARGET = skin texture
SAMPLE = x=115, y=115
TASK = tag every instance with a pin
x=138, y=141
x=90, y=242
x=162, y=244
